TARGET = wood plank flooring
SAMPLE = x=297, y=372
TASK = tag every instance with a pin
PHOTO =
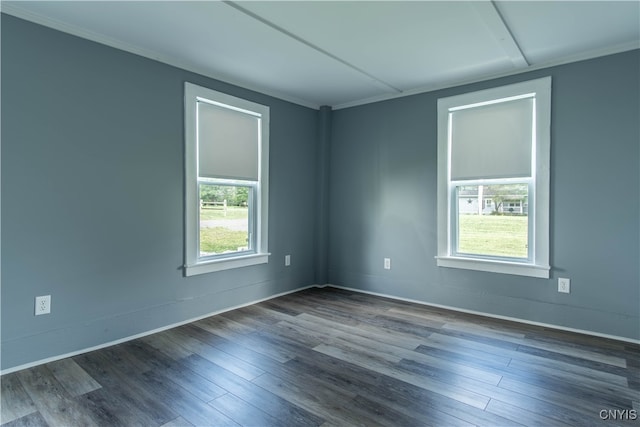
x=330, y=357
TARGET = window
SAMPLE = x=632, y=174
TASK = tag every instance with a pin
x=493, y=149
x=226, y=168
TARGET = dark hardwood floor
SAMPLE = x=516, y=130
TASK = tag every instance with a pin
x=335, y=358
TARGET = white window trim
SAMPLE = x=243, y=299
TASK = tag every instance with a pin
x=539, y=265
x=193, y=264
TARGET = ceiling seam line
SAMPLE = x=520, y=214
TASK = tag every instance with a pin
x=299, y=39
x=497, y=26
x=513, y=37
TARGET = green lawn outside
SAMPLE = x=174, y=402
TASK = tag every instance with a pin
x=498, y=235
x=222, y=239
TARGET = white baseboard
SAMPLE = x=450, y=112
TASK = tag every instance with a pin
x=195, y=319
x=494, y=316
x=144, y=334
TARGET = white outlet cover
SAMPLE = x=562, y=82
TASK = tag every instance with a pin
x=43, y=305
x=387, y=263
x=287, y=260
x=564, y=285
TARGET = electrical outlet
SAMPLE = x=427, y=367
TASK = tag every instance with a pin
x=564, y=285
x=287, y=260
x=43, y=305
x=387, y=263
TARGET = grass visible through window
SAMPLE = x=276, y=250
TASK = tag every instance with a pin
x=496, y=235
x=220, y=233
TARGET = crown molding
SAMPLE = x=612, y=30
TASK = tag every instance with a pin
x=584, y=56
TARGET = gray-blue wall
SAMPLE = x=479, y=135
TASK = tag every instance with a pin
x=92, y=196
x=383, y=203
x=92, y=199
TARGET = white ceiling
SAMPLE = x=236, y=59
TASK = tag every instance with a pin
x=343, y=53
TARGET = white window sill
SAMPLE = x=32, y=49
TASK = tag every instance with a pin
x=495, y=266
x=211, y=266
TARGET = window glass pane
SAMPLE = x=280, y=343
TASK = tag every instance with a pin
x=493, y=220
x=224, y=219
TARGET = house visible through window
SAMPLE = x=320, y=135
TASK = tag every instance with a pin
x=226, y=162
x=493, y=179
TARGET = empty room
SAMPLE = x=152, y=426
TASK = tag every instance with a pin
x=320, y=213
